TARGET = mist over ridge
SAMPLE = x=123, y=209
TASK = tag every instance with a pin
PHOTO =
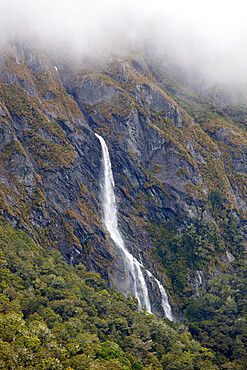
x=208, y=39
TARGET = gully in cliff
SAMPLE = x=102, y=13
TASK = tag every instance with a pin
x=133, y=267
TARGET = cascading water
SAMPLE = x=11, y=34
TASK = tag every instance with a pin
x=164, y=298
x=111, y=224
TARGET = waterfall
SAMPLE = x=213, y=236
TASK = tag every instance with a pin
x=164, y=300
x=134, y=267
x=111, y=224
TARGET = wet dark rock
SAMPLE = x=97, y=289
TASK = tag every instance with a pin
x=227, y=258
x=239, y=162
x=10, y=78
x=198, y=281
x=2, y=113
x=89, y=91
x=49, y=96
x=140, y=66
x=151, y=171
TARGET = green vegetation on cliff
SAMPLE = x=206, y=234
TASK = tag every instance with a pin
x=55, y=316
x=179, y=163
x=218, y=317
x=215, y=309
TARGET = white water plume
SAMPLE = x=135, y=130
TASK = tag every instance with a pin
x=164, y=300
x=164, y=297
x=111, y=224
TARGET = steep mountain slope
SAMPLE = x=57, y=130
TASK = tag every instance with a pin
x=179, y=164
x=178, y=155
x=55, y=316
x=186, y=167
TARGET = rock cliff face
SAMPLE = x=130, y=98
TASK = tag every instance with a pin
x=166, y=159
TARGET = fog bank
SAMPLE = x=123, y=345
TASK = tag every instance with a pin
x=209, y=36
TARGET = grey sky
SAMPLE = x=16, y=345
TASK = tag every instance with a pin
x=210, y=34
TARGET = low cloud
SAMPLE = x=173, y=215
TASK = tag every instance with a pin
x=208, y=36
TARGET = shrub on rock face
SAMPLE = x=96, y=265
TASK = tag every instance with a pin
x=69, y=317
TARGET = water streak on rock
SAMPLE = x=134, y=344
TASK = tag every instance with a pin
x=111, y=224
x=164, y=297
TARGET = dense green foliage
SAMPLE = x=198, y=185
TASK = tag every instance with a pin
x=197, y=247
x=218, y=317
x=216, y=314
x=55, y=316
